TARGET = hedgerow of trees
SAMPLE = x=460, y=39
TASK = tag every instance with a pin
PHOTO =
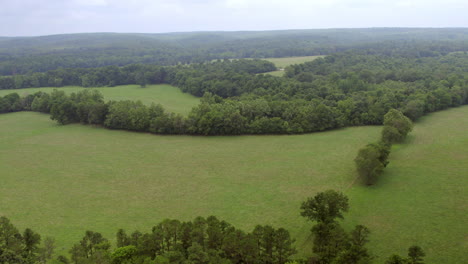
x=373, y=158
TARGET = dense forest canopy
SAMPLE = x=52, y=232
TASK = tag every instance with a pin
x=22, y=55
x=416, y=71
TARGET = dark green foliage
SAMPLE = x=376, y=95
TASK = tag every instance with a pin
x=38, y=54
x=31, y=242
x=93, y=248
x=371, y=161
x=415, y=255
x=357, y=87
x=414, y=109
x=391, y=135
x=205, y=241
x=41, y=103
x=64, y=112
x=357, y=253
x=331, y=243
x=325, y=207
x=123, y=254
x=63, y=259
x=47, y=251
x=128, y=115
x=10, y=103
x=396, y=127
x=16, y=247
x=396, y=259
x=329, y=240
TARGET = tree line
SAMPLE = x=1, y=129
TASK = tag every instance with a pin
x=343, y=89
x=208, y=240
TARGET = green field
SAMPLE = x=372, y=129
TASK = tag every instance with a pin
x=63, y=180
x=422, y=197
x=170, y=97
x=281, y=63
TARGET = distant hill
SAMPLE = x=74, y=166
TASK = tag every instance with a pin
x=20, y=55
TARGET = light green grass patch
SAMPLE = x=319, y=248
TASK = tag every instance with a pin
x=168, y=96
x=284, y=62
x=276, y=73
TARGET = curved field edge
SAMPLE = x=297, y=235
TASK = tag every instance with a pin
x=170, y=97
x=63, y=180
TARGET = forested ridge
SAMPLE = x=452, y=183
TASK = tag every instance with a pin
x=342, y=89
x=22, y=55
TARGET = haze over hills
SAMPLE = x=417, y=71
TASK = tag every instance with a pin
x=19, y=55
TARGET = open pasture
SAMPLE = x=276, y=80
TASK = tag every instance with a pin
x=168, y=96
x=64, y=180
x=281, y=63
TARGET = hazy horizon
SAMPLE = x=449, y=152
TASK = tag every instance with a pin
x=228, y=31
x=39, y=18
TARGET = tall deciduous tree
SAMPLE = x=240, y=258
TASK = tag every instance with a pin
x=325, y=207
x=400, y=122
x=371, y=160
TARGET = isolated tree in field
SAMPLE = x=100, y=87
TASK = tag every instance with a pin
x=371, y=160
x=325, y=207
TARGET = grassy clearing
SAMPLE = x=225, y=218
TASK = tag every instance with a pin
x=63, y=180
x=170, y=97
x=276, y=73
x=283, y=62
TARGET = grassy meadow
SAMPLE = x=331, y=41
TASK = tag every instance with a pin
x=168, y=96
x=422, y=196
x=64, y=180
x=281, y=63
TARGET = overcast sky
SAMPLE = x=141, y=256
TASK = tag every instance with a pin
x=45, y=17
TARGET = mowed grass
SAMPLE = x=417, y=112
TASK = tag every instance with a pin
x=63, y=180
x=172, y=98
